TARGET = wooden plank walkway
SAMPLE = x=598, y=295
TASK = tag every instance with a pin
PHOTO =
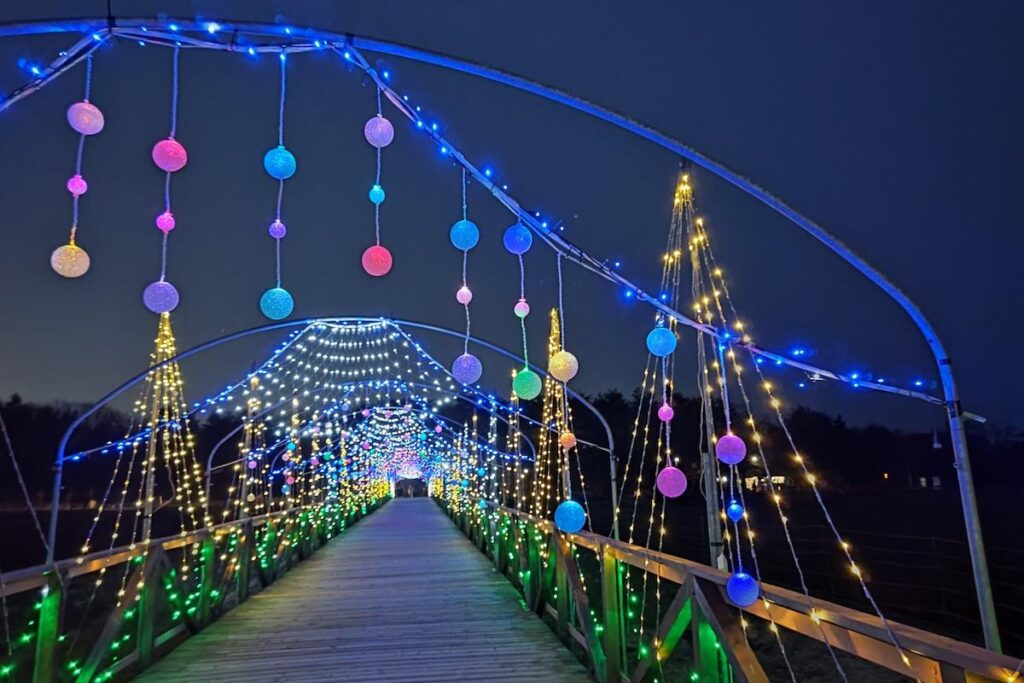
x=401, y=596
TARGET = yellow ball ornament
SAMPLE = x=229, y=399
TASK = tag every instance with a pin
x=69, y=260
x=563, y=366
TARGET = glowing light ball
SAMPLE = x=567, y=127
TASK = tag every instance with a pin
x=366, y=412
x=85, y=118
x=290, y=480
x=69, y=260
x=376, y=195
x=77, y=185
x=169, y=155
x=277, y=230
x=279, y=163
x=521, y=309
x=517, y=239
x=730, y=449
x=665, y=413
x=160, y=297
x=464, y=235
x=661, y=341
x=438, y=429
x=251, y=497
x=465, y=483
x=734, y=511
x=276, y=303
x=567, y=441
x=377, y=261
x=467, y=368
x=482, y=504
x=563, y=366
x=570, y=516
x=252, y=464
x=165, y=222
x=526, y=384
x=671, y=482
x=742, y=589
x=481, y=472
x=379, y=132
x=464, y=295
x=286, y=489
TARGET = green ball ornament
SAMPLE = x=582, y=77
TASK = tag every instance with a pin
x=527, y=384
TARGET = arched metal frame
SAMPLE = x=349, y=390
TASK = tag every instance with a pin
x=170, y=31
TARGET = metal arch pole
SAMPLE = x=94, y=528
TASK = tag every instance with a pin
x=952, y=399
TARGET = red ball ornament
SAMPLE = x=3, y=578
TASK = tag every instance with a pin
x=377, y=261
x=169, y=155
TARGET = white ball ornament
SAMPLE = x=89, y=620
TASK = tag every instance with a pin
x=563, y=366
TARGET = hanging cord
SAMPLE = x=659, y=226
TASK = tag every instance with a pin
x=167, y=178
x=522, y=321
x=376, y=205
x=465, y=252
x=280, y=183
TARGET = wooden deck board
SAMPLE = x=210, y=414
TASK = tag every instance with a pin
x=401, y=596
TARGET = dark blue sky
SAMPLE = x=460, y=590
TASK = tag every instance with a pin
x=895, y=125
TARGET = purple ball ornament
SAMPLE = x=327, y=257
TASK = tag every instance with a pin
x=665, y=413
x=165, y=222
x=85, y=118
x=467, y=369
x=730, y=449
x=379, y=132
x=277, y=230
x=671, y=482
x=160, y=297
x=77, y=186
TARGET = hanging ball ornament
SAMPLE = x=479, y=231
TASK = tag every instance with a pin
x=730, y=449
x=665, y=413
x=734, y=511
x=567, y=441
x=517, y=239
x=570, y=516
x=563, y=366
x=160, y=297
x=276, y=303
x=661, y=341
x=279, y=163
x=165, y=222
x=464, y=295
x=742, y=589
x=526, y=384
x=438, y=429
x=277, y=230
x=521, y=309
x=69, y=260
x=671, y=482
x=467, y=369
x=464, y=235
x=77, y=185
x=377, y=261
x=376, y=195
x=379, y=132
x=169, y=155
x=85, y=117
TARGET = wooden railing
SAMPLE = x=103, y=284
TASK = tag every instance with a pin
x=149, y=615
x=517, y=542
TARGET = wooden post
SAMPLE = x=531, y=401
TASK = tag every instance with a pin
x=244, y=560
x=561, y=584
x=48, y=630
x=611, y=606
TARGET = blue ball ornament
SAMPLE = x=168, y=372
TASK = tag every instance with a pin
x=467, y=369
x=481, y=472
x=517, y=239
x=482, y=504
x=464, y=235
x=376, y=195
x=734, y=511
x=276, y=303
x=742, y=589
x=279, y=163
x=286, y=489
x=661, y=341
x=570, y=516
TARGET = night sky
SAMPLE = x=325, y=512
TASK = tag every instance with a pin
x=897, y=126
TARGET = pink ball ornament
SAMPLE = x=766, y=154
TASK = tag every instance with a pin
x=290, y=480
x=379, y=132
x=671, y=482
x=77, y=185
x=314, y=461
x=730, y=449
x=85, y=118
x=521, y=309
x=438, y=429
x=277, y=230
x=252, y=464
x=165, y=222
x=169, y=155
x=377, y=261
x=366, y=412
x=665, y=413
x=464, y=295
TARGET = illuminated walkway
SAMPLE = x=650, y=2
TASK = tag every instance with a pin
x=401, y=596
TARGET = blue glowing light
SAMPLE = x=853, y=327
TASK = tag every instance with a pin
x=570, y=517
x=734, y=511
x=742, y=589
x=798, y=352
x=376, y=194
x=212, y=27
x=918, y=383
x=464, y=235
x=276, y=303
x=661, y=341
x=517, y=239
x=172, y=27
x=279, y=163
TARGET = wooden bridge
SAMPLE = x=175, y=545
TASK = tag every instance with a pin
x=403, y=596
